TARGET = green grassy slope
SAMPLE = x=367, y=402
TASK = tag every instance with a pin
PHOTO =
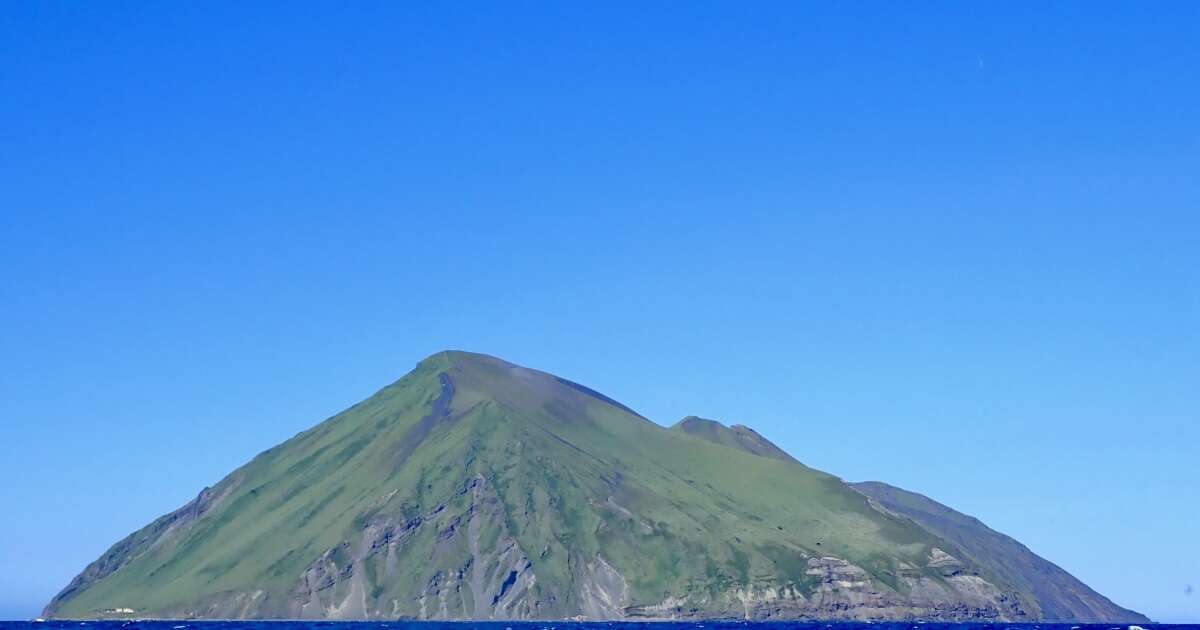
x=1058, y=595
x=1062, y=597
x=473, y=488
x=275, y=514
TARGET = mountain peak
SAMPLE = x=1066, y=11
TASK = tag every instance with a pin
x=450, y=357
x=696, y=425
x=738, y=436
x=477, y=377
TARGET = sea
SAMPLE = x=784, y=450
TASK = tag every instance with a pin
x=560, y=625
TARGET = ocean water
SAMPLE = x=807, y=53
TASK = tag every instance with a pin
x=556, y=625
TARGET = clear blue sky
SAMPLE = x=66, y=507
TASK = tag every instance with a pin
x=956, y=249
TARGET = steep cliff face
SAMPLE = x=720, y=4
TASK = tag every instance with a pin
x=476, y=489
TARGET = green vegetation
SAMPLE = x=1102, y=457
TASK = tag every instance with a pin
x=474, y=488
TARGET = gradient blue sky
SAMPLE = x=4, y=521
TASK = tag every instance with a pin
x=956, y=249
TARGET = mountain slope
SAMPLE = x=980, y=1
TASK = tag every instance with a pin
x=1059, y=595
x=474, y=488
x=1062, y=596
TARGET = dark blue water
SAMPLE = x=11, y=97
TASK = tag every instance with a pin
x=553, y=625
